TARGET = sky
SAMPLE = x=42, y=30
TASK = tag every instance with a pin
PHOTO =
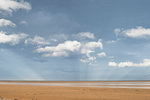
x=74, y=40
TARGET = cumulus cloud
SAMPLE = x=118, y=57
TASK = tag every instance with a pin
x=5, y=22
x=64, y=49
x=13, y=39
x=145, y=63
x=47, y=48
x=8, y=6
x=138, y=32
x=86, y=35
x=37, y=40
x=61, y=49
x=102, y=54
x=88, y=60
x=89, y=48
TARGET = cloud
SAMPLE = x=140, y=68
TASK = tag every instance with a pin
x=86, y=35
x=102, y=54
x=13, y=39
x=117, y=31
x=88, y=60
x=37, y=40
x=5, y=22
x=23, y=22
x=145, y=63
x=59, y=37
x=89, y=48
x=8, y=6
x=66, y=48
x=61, y=49
x=56, y=54
x=111, y=42
x=111, y=57
x=138, y=32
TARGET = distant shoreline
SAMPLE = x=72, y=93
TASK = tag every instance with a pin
x=43, y=81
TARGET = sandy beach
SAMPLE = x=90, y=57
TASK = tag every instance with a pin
x=37, y=92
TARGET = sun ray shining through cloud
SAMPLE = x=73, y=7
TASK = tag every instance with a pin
x=81, y=40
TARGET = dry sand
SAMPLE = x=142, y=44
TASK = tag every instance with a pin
x=29, y=92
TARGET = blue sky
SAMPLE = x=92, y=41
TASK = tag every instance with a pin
x=74, y=40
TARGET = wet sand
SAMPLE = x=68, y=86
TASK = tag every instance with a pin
x=75, y=92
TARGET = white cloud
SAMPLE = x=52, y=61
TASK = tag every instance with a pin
x=111, y=57
x=56, y=54
x=86, y=35
x=89, y=47
x=84, y=60
x=8, y=6
x=59, y=37
x=54, y=40
x=112, y=64
x=67, y=45
x=61, y=49
x=138, y=32
x=111, y=42
x=66, y=48
x=117, y=31
x=23, y=22
x=11, y=38
x=102, y=54
x=145, y=63
x=5, y=22
x=37, y=40
x=88, y=60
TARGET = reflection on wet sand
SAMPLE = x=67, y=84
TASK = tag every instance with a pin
x=143, y=85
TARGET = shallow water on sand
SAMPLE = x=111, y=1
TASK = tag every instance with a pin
x=142, y=85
